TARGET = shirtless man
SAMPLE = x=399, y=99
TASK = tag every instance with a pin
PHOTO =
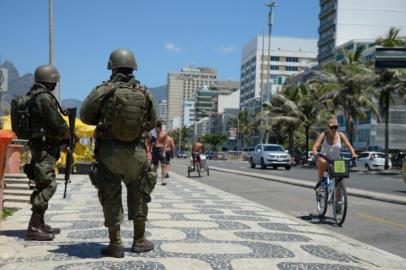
x=197, y=148
x=169, y=153
x=158, y=147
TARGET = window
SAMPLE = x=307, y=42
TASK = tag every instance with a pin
x=274, y=67
x=273, y=148
x=275, y=58
x=292, y=59
x=290, y=68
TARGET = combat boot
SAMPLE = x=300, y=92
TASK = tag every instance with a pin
x=35, y=231
x=140, y=244
x=115, y=249
x=48, y=228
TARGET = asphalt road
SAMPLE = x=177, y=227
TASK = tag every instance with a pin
x=390, y=183
x=379, y=224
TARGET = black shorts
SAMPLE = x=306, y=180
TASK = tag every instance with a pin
x=168, y=156
x=158, y=156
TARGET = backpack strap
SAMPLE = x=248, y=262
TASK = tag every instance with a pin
x=36, y=93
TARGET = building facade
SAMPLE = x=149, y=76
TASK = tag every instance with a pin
x=287, y=56
x=188, y=115
x=345, y=20
x=183, y=85
x=161, y=110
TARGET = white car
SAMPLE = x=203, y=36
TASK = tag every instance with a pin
x=372, y=160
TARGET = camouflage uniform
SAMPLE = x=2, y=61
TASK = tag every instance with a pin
x=48, y=129
x=119, y=161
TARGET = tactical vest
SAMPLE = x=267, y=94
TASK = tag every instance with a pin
x=125, y=112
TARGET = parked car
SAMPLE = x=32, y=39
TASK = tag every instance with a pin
x=181, y=154
x=311, y=159
x=372, y=160
x=270, y=155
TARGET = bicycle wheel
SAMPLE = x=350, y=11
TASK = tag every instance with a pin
x=321, y=200
x=198, y=169
x=340, y=205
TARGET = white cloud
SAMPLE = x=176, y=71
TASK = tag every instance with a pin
x=224, y=49
x=169, y=46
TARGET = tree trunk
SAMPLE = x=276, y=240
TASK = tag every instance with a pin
x=307, y=131
x=291, y=140
x=348, y=126
x=387, y=131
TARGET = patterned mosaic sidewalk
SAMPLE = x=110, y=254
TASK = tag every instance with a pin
x=193, y=226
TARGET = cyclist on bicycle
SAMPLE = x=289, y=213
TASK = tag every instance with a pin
x=197, y=149
x=331, y=143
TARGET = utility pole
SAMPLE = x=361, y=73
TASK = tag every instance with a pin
x=56, y=92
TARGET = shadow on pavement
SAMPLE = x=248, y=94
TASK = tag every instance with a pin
x=315, y=219
x=14, y=233
x=80, y=250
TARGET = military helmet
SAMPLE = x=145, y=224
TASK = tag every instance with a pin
x=122, y=58
x=46, y=73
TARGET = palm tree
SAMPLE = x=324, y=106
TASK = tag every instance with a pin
x=306, y=98
x=284, y=112
x=392, y=39
x=350, y=91
x=389, y=82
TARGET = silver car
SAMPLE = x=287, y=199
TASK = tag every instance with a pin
x=270, y=155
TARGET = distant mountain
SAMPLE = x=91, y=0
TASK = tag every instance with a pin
x=71, y=103
x=17, y=86
x=159, y=93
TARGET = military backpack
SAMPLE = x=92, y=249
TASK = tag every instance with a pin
x=130, y=109
x=20, y=115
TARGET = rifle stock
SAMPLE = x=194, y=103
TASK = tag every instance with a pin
x=72, y=141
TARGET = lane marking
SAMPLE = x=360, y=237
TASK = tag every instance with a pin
x=392, y=179
x=382, y=220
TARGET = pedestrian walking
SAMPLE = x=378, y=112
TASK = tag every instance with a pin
x=124, y=113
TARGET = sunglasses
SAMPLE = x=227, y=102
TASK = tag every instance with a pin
x=333, y=127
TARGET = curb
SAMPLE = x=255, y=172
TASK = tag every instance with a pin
x=302, y=183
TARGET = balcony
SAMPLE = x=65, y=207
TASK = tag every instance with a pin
x=327, y=39
x=327, y=10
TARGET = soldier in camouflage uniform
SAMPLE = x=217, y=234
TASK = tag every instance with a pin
x=119, y=160
x=48, y=130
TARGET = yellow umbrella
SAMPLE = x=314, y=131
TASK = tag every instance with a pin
x=81, y=129
x=6, y=122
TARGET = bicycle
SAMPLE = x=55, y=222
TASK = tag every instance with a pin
x=331, y=187
x=196, y=166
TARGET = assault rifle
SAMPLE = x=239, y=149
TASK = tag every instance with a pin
x=71, y=112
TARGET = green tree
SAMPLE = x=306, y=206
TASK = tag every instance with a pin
x=214, y=140
x=185, y=138
x=284, y=112
x=392, y=39
x=390, y=82
x=350, y=91
x=306, y=98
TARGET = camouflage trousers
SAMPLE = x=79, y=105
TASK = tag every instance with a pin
x=117, y=162
x=42, y=171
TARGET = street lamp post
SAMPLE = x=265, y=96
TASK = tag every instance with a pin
x=271, y=5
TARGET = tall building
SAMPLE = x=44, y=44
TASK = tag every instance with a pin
x=161, y=110
x=206, y=99
x=345, y=20
x=188, y=115
x=288, y=56
x=183, y=85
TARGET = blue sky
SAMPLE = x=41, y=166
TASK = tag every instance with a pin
x=165, y=35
